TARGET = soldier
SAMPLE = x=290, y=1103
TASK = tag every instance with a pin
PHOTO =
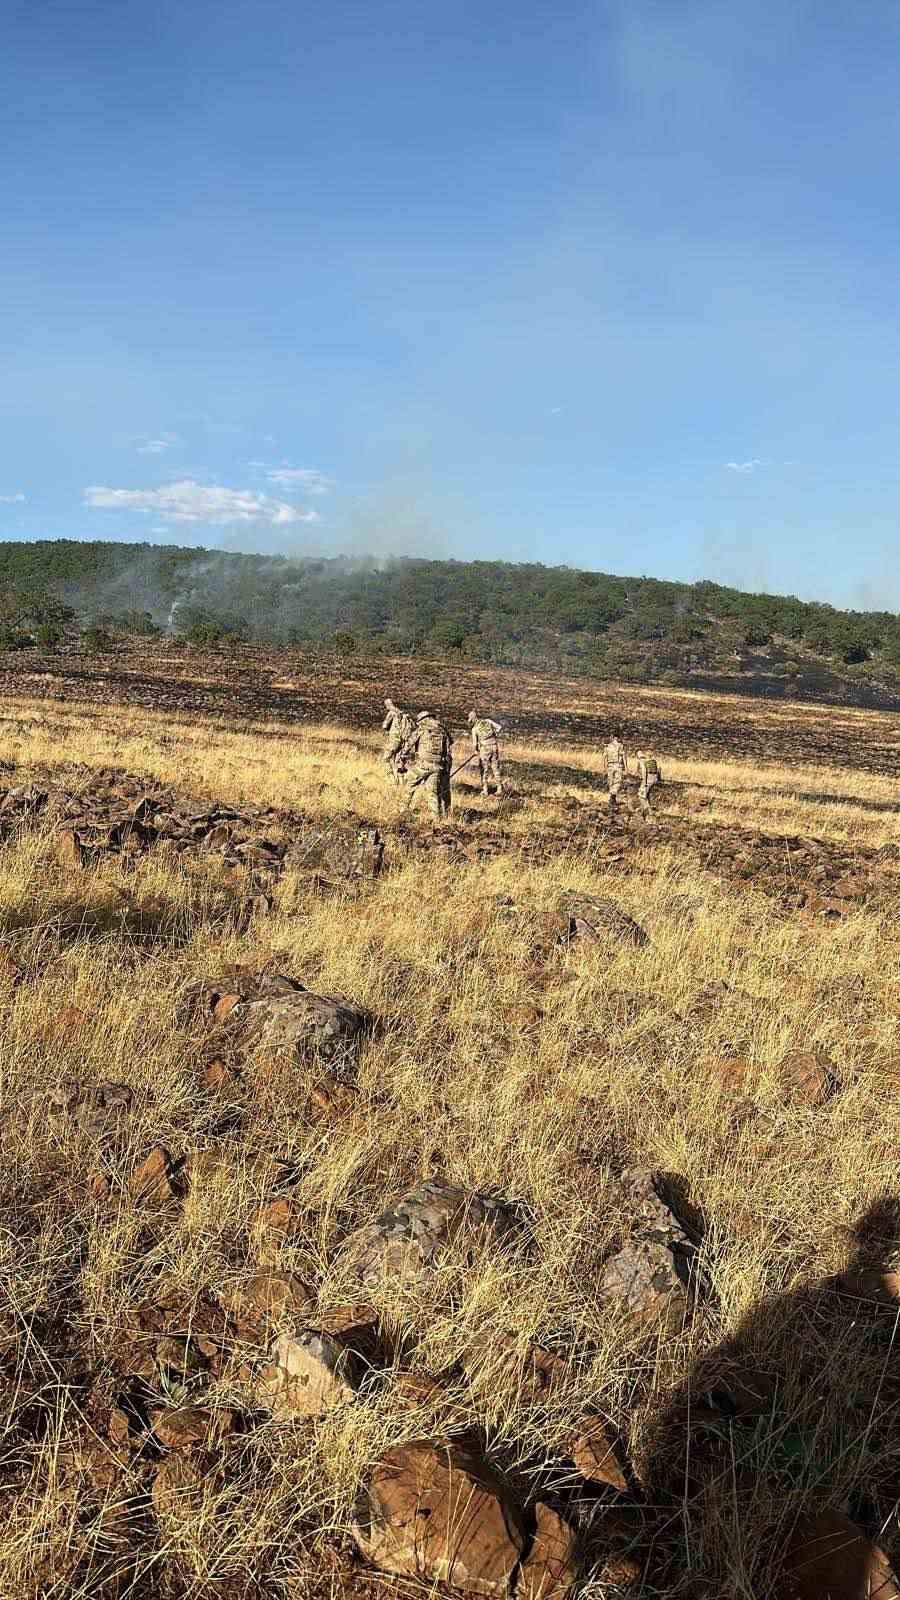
x=428, y=752
x=483, y=733
x=398, y=725
x=649, y=776
x=616, y=764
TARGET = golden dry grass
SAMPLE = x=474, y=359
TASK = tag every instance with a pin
x=609, y=1068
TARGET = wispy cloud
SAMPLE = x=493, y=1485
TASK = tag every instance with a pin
x=156, y=447
x=11, y=499
x=187, y=501
x=309, y=479
x=743, y=466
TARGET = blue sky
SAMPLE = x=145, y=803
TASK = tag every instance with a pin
x=611, y=284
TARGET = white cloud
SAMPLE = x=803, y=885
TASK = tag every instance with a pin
x=187, y=501
x=11, y=499
x=305, y=478
x=156, y=447
x=743, y=466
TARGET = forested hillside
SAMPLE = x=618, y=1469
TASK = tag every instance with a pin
x=635, y=628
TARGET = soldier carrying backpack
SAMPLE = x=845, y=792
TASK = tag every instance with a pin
x=428, y=752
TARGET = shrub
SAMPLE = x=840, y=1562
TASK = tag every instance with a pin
x=344, y=642
x=48, y=636
x=95, y=641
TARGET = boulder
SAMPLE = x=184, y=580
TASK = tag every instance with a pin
x=274, y=1014
x=153, y=1181
x=343, y=852
x=594, y=1450
x=437, y=1512
x=830, y=1558
x=550, y=1569
x=652, y=1276
x=99, y=1110
x=806, y=1078
x=593, y=917
x=413, y=1232
x=309, y=1374
x=185, y=1427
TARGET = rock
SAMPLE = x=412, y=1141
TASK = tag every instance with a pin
x=594, y=1450
x=278, y=1220
x=338, y=852
x=642, y=1279
x=177, y=1491
x=829, y=1558
x=99, y=1110
x=549, y=1569
x=67, y=849
x=437, y=1512
x=880, y=1286
x=592, y=917
x=806, y=1078
x=183, y=1427
x=301, y=1023
x=265, y=1298
x=309, y=1374
x=651, y=1276
x=419, y=1226
x=152, y=1182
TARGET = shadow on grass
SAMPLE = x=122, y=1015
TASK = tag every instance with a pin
x=798, y=1411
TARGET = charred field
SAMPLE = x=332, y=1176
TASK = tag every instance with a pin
x=537, y=1172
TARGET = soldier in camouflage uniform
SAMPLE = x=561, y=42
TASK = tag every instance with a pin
x=649, y=776
x=616, y=765
x=427, y=751
x=483, y=733
x=398, y=726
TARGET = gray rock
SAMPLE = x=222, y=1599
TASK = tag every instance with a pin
x=300, y=1023
x=414, y=1231
x=593, y=917
x=653, y=1276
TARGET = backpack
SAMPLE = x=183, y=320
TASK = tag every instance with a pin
x=434, y=744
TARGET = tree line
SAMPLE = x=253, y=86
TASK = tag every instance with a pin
x=502, y=613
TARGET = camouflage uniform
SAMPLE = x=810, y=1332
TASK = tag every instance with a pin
x=616, y=763
x=649, y=776
x=484, y=733
x=398, y=725
x=428, y=752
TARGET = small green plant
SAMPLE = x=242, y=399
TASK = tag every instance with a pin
x=344, y=643
x=48, y=636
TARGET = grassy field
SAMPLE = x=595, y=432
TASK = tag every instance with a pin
x=533, y=1072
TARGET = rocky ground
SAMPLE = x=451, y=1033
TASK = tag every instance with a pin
x=508, y=1206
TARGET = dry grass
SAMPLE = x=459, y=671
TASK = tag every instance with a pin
x=609, y=1070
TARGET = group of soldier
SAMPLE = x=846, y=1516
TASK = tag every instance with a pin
x=418, y=756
